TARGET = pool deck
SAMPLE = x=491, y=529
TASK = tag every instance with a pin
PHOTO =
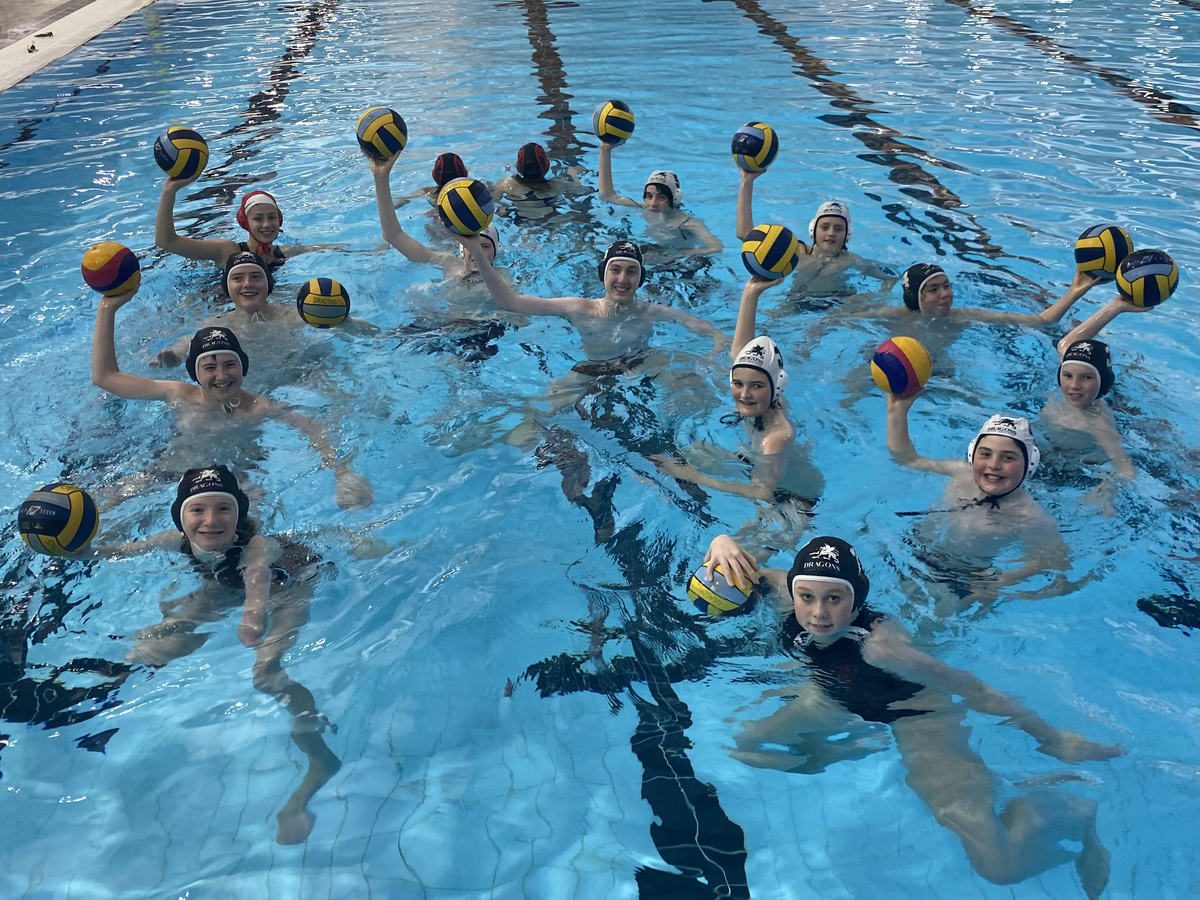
x=34, y=33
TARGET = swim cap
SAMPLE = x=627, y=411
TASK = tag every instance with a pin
x=532, y=162
x=763, y=355
x=624, y=250
x=831, y=559
x=215, y=480
x=669, y=182
x=447, y=167
x=253, y=199
x=913, y=281
x=1094, y=355
x=1018, y=430
x=216, y=339
x=494, y=236
x=830, y=208
x=241, y=261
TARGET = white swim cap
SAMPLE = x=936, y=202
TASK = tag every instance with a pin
x=763, y=355
x=669, y=182
x=830, y=208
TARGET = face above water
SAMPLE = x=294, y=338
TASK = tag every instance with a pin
x=937, y=296
x=248, y=288
x=656, y=199
x=751, y=391
x=1078, y=383
x=621, y=278
x=210, y=523
x=998, y=465
x=264, y=223
x=824, y=609
x=830, y=234
x=220, y=375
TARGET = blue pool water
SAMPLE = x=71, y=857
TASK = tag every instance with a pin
x=985, y=137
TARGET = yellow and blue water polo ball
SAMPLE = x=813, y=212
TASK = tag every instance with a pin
x=180, y=152
x=58, y=519
x=110, y=268
x=718, y=597
x=770, y=251
x=466, y=205
x=1101, y=249
x=613, y=122
x=1147, y=277
x=381, y=132
x=323, y=302
x=901, y=366
x=755, y=146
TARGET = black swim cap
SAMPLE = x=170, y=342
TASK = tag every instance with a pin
x=826, y=558
x=245, y=258
x=447, y=167
x=532, y=162
x=213, y=480
x=624, y=250
x=1096, y=355
x=214, y=340
x=914, y=279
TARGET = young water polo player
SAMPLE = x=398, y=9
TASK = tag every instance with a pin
x=258, y=213
x=862, y=667
x=1078, y=418
x=668, y=225
x=446, y=167
x=217, y=363
x=757, y=380
x=985, y=507
x=823, y=265
x=529, y=188
x=271, y=579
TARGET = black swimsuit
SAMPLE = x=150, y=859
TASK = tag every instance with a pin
x=841, y=672
x=296, y=563
x=273, y=262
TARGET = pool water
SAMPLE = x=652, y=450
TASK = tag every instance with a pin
x=521, y=711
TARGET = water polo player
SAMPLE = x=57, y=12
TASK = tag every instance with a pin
x=530, y=188
x=217, y=364
x=757, y=380
x=662, y=200
x=823, y=264
x=271, y=579
x=446, y=167
x=861, y=667
x=258, y=213
x=985, y=507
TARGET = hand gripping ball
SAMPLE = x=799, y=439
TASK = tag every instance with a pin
x=613, y=122
x=717, y=597
x=110, y=268
x=755, y=146
x=381, y=133
x=770, y=251
x=180, y=152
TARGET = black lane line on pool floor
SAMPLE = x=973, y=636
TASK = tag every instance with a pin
x=1162, y=106
x=887, y=146
x=551, y=75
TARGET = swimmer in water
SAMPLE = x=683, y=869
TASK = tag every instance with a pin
x=533, y=194
x=823, y=265
x=859, y=666
x=662, y=203
x=757, y=380
x=217, y=363
x=446, y=167
x=985, y=507
x=271, y=579
x=258, y=213
x=1085, y=375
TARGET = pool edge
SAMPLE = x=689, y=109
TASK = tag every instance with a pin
x=70, y=32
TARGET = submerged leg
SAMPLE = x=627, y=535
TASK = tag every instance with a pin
x=1020, y=842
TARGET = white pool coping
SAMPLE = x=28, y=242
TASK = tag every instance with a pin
x=71, y=31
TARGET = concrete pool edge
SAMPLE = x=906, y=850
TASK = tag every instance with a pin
x=69, y=32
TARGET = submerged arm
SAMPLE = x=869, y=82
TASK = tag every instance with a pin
x=350, y=489
x=709, y=242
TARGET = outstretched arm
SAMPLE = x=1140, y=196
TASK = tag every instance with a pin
x=216, y=251
x=890, y=648
x=1080, y=285
x=350, y=489
x=107, y=374
x=411, y=248
x=606, y=183
x=744, y=331
x=745, y=201
x=901, y=445
x=163, y=540
x=1093, y=324
x=506, y=296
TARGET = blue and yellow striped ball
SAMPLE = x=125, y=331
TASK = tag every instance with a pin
x=466, y=205
x=110, y=268
x=755, y=146
x=718, y=597
x=323, y=302
x=1100, y=250
x=613, y=122
x=1147, y=277
x=901, y=366
x=180, y=152
x=381, y=132
x=58, y=519
x=770, y=251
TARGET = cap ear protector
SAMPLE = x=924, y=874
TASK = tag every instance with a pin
x=830, y=208
x=213, y=480
x=253, y=199
x=1016, y=429
x=245, y=259
x=214, y=340
x=623, y=250
x=831, y=559
x=1095, y=355
x=913, y=282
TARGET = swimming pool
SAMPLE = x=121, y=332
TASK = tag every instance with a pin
x=987, y=141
